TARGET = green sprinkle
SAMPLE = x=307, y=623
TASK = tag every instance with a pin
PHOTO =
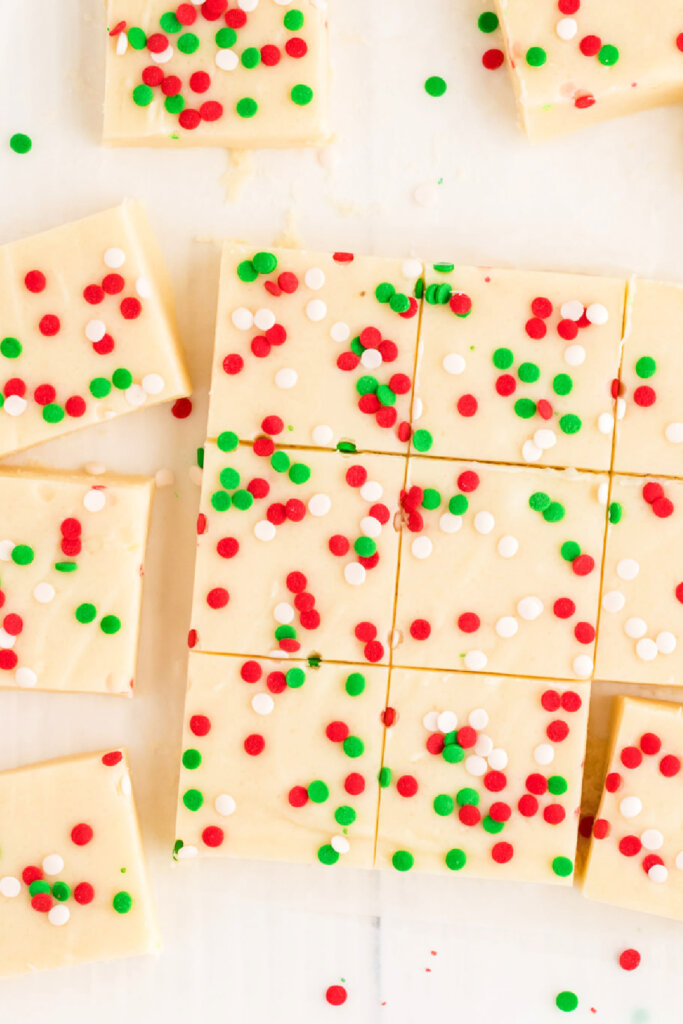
x=200, y=457
x=608, y=55
x=227, y=441
x=554, y=512
x=503, y=358
x=265, y=262
x=53, y=413
x=422, y=440
x=188, y=42
x=348, y=447
x=453, y=753
x=314, y=661
x=367, y=384
x=456, y=859
x=86, y=612
x=539, y=501
x=65, y=566
x=327, y=854
x=488, y=21
x=299, y=473
x=492, y=826
x=20, y=143
x=61, y=891
x=169, y=22
x=431, y=498
x=566, y=1001
x=229, y=478
x=318, y=791
x=616, y=511
x=419, y=288
x=467, y=797
x=384, y=291
x=174, y=104
x=399, y=303
x=99, y=387
x=528, y=372
x=384, y=777
x=570, y=424
x=246, y=107
x=251, y=57
x=356, y=347
x=225, y=38
x=403, y=860
x=570, y=550
x=345, y=815
x=353, y=746
x=143, y=95
x=243, y=500
x=295, y=678
x=110, y=624
x=385, y=395
x=646, y=367
x=355, y=684
x=562, y=384
x=191, y=759
x=38, y=886
x=122, y=902
x=365, y=547
x=557, y=785
x=10, y=348
x=293, y=20
x=536, y=56
x=246, y=271
x=280, y=462
x=444, y=268
x=525, y=408
x=193, y=799
x=435, y=85
x=458, y=505
x=137, y=38
x=285, y=633
x=562, y=866
x=22, y=554
x=443, y=804
x=221, y=501
x=122, y=379
x=301, y=95
x=177, y=847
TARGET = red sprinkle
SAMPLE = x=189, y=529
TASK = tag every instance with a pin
x=181, y=408
x=336, y=995
x=629, y=959
x=493, y=59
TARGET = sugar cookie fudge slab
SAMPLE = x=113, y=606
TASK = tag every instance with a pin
x=71, y=564
x=251, y=74
x=519, y=366
x=87, y=327
x=316, y=348
x=650, y=419
x=500, y=569
x=297, y=552
x=482, y=775
x=280, y=761
x=641, y=621
x=575, y=62
x=73, y=883
x=636, y=853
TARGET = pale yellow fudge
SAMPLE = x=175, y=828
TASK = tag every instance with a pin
x=316, y=348
x=575, y=62
x=297, y=552
x=519, y=366
x=281, y=760
x=641, y=617
x=650, y=414
x=251, y=74
x=482, y=775
x=87, y=327
x=72, y=548
x=73, y=883
x=636, y=853
x=500, y=569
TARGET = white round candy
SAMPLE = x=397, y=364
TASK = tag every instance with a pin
x=605, y=422
x=498, y=759
x=246, y=5
x=679, y=860
x=15, y=405
x=354, y=573
x=262, y=703
x=545, y=438
x=635, y=628
x=652, y=839
x=666, y=642
x=507, y=626
x=484, y=522
x=574, y=355
x=508, y=546
x=43, y=593
x=340, y=331
x=25, y=677
x=6, y=549
x=114, y=258
x=613, y=601
x=243, y=318
x=370, y=527
x=566, y=28
x=10, y=887
x=264, y=530
x=53, y=864
x=447, y=721
x=59, y=914
x=449, y=523
x=531, y=452
x=572, y=310
x=621, y=408
x=340, y=844
x=143, y=286
x=454, y=363
x=371, y=358
x=478, y=718
x=630, y=807
x=95, y=330
x=421, y=547
x=286, y=378
x=658, y=873
x=153, y=383
x=646, y=649
x=544, y=754
x=187, y=852
x=674, y=433
x=94, y=500
x=225, y=804
x=476, y=765
x=627, y=569
x=475, y=660
x=227, y=60
x=603, y=493
x=135, y=395
x=322, y=434
x=431, y=721
x=163, y=57
x=483, y=745
x=314, y=278
x=371, y=491
x=418, y=408
x=264, y=318
x=411, y=268
x=319, y=505
x=316, y=310
x=7, y=640
x=583, y=666
x=283, y=613
x=530, y=608
x=597, y=314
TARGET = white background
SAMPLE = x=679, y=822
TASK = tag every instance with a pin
x=251, y=942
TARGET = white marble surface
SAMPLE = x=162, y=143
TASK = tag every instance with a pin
x=255, y=943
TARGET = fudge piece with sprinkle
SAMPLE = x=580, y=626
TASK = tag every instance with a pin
x=518, y=366
x=500, y=568
x=280, y=760
x=316, y=349
x=650, y=405
x=73, y=882
x=71, y=563
x=482, y=775
x=575, y=62
x=87, y=327
x=641, y=618
x=254, y=73
x=636, y=852
x=297, y=552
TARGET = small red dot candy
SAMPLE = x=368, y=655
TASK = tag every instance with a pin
x=629, y=959
x=336, y=995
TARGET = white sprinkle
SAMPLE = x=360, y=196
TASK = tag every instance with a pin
x=605, y=422
x=371, y=358
x=627, y=569
x=314, y=278
x=371, y=491
x=484, y=522
x=507, y=626
x=583, y=666
x=508, y=546
x=411, y=268
x=431, y=721
x=630, y=807
x=338, y=843
x=476, y=765
x=478, y=718
x=679, y=861
x=603, y=493
x=319, y=505
x=646, y=649
x=60, y=914
x=544, y=754
x=264, y=530
x=545, y=438
x=95, y=330
x=15, y=405
x=340, y=331
x=652, y=839
x=621, y=408
x=95, y=468
x=6, y=549
x=225, y=805
x=262, y=703
x=475, y=660
x=264, y=319
x=674, y=433
x=187, y=852
x=10, y=887
x=484, y=745
x=447, y=721
x=53, y=864
x=286, y=378
x=658, y=873
x=449, y=523
x=94, y=500
x=43, y=593
x=370, y=527
x=7, y=640
x=566, y=28
x=574, y=355
x=421, y=547
x=322, y=434
x=25, y=677
x=121, y=43
x=114, y=258
x=316, y=310
x=135, y=395
x=153, y=383
x=531, y=452
x=498, y=759
x=613, y=601
x=227, y=60
x=454, y=363
x=635, y=628
x=283, y=613
x=354, y=573
x=572, y=310
x=597, y=314
x=125, y=785
x=143, y=286
x=248, y=5
x=163, y=57
x=418, y=408
x=530, y=608
x=666, y=642
x=243, y=318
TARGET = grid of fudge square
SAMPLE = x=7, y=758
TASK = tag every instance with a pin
x=641, y=617
x=519, y=366
x=297, y=552
x=499, y=569
x=281, y=760
x=87, y=327
x=73, y=883
x=316, y=349
x=650, y=408
x=246, y=74
x=482, y=775
x=636, y=852
x=575, y=62
x=72, y=548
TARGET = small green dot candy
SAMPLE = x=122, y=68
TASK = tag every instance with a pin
x=302, y=95
x=355, y=684
x=566, y=1001
x=191, y=759
x=122, y=902
x=20, y=143
x=422, y=440
x=536, y=56
x=227, y=441
x=22, y=554
x=488, y=21
x=403, y=860
x=246, y=107
x=456, y=859
x=562, y=866
x=110, y=624
x=435, y=85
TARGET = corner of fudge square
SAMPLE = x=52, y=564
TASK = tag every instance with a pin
x=316, y=349
x=297, y=552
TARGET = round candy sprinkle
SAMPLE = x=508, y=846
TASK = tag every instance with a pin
x=435, y=85
x=566, y=1001
x=20, y=143
x=487, y=21
x=336, y=995
x=629, y=959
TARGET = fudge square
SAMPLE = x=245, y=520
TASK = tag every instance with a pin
x=519, y=366
x=72, y=548
x=650, y=415
x=641, y=619
x=636, y=852
x=280, y=760
x=251, y=74
x=87, y=327
x=73, y=882
x=297, y=552
x=575, y=62
x=482, y=775
x=316, y=349
x=500, y=569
